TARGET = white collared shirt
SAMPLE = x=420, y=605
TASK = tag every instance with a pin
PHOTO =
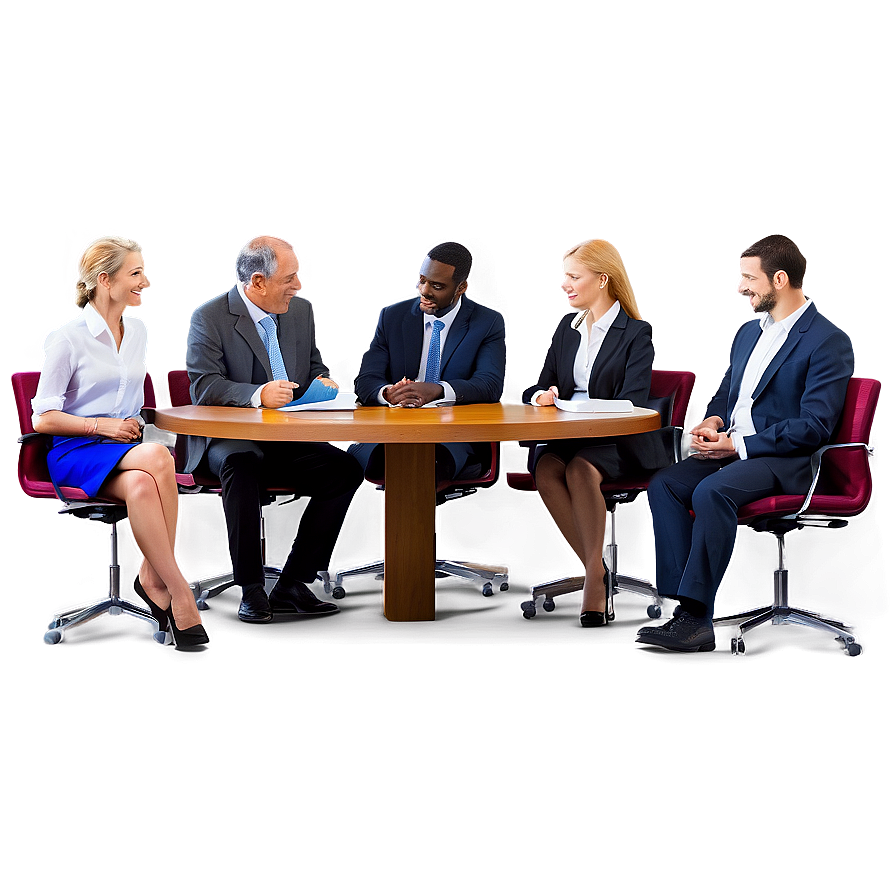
x=87, y=375
x=589, y=346
x=774, y=335
x=258, y=315
x=428, y=320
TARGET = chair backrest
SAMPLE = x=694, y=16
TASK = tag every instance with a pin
x=846, y=472
x=677, y=385
x=179, y=388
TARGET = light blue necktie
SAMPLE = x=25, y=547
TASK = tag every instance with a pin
x=278, y=368
x=434, y=358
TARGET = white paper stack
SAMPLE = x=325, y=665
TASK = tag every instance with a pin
x=596, y=406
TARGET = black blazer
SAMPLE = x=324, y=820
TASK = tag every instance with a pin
x=621, y=370
x=622, y=367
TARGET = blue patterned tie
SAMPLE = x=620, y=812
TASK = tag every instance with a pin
x=434, y=358
x=278, y=368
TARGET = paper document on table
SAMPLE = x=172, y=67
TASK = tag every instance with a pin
x=342, y=401
x=596, y=406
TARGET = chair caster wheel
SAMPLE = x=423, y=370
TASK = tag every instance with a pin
x=528, y=608
x=201, y=604
x=114, y=611
x=487, y=590
x=161, y=637
x=852, y=649
x=549, y=605
x=654, y=612
x=53, y=636
x=504, y=586
x=737, y=646
x=338, y=593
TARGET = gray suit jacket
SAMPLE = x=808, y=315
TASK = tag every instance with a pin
x=227, y=360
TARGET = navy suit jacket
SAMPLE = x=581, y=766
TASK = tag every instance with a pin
x=799, y=399
x=622, y=367
x=227, y=360
x=473, y=356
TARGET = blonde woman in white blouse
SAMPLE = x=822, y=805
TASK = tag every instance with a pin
x=88, y=399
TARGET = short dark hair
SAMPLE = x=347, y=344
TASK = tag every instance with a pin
x=457, y=256
x=778, y=253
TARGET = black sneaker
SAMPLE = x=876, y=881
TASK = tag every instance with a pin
x=683, y=632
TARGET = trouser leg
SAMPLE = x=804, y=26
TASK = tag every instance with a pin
x=238, y=464
x=716, y=502
x=669, y=495
x=330, y=477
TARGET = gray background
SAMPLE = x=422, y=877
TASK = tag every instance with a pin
x=482, y=751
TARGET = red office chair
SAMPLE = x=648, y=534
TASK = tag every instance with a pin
x=670, y=392
x=487, y=463
x=35, y=481
x=205, y=483
x=841, y=487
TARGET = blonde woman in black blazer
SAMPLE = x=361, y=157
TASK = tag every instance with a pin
x=602, y=350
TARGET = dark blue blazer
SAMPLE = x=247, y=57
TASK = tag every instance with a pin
x=473, y=356
x=799, y=399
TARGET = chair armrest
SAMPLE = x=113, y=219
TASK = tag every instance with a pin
x=148, y=415
x=816, y=469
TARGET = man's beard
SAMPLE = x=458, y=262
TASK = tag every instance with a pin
x=765, y=303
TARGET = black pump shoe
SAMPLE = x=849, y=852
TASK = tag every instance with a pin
x=593, y=618
x=191, y=638
x=160, y=615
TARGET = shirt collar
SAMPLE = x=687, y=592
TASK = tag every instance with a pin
x=788, y=322
x=605, y=322
x=447, y=319
x=95, y=323
x=257, y=314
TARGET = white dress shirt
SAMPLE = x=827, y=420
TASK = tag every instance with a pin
x=428, y=320
x=589, y=346
x=257, y=314
x=774, y=335
x=86, y=374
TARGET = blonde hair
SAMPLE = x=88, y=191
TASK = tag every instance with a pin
x=105, y=255
x=601, y=257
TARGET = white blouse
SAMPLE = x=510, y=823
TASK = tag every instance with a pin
x=86, y=375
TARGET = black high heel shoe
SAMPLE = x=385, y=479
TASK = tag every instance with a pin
x=611, y=609
x=597, y=618
x=191, y=638
x=160, y=616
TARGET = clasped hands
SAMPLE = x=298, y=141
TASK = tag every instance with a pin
x=412, y=394
x=279, y=392
x=116, y=429
x=710, y=441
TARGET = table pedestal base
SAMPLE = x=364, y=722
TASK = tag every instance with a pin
x=409, y=588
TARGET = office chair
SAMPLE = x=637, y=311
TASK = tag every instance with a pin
x=670, y=392
x=841, y=487
x=483, y=472
x=206, y=483
x=35, y=481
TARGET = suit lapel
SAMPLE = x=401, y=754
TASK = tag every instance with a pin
x=739, y=365
x=456, y=334
x=286, y=337
x=793, y=338
x=246, y=328
x=607, y=347
x=412, y=333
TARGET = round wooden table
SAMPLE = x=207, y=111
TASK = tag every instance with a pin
x=410, y=436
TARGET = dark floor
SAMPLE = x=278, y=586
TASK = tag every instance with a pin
x=482, y=753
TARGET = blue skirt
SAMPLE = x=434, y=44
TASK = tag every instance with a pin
x=84, y=463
